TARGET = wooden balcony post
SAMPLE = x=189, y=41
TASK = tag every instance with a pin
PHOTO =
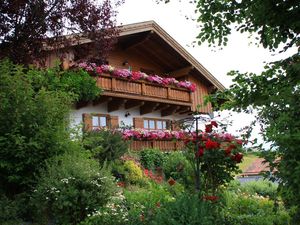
x=113, y=84
x=143, y=89
x=168, y=93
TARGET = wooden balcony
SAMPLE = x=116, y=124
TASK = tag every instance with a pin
x=165, y=145
x=144, y=91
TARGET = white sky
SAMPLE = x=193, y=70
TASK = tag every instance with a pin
x=237, y=55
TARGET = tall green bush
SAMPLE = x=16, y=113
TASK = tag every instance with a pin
x=32, y=127
x=70, y=188
x=105, y=145
x=177, y=166
x=245, y=209
x=186, y=209
x=77, y=83
x=152, y=158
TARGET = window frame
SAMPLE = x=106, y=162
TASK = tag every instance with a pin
x=155, y=123
x=99, y=120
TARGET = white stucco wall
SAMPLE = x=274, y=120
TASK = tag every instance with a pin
x=76, y=114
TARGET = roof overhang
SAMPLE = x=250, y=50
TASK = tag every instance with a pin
x=151, y=26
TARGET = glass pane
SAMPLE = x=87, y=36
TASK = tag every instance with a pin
x=159, y=125
x=102, y=121
x=164, y=125
x=151, y=124
x=146, y=124
x=95, y=121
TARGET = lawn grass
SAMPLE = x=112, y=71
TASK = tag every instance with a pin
x=247, y=161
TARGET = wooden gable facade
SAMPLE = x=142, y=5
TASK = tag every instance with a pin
x=148, y=48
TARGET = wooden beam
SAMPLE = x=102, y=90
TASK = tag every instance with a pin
x=115, y=104
x=133, y=103
x=148, y=107
x=185, y=112
x=102, y=99
x=183, y=109
x=161, y=106
x=170, y=110
x=138, y=43
x=181, y=72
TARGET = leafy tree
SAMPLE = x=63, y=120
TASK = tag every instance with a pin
x=274, y=93
x=32, y=127
x=27, y=25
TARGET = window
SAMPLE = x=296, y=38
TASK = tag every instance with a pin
x=99, y=121
x=155, y=124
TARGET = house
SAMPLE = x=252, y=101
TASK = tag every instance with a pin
x=146, y=47
x=256, y=169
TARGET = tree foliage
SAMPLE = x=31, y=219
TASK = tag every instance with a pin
x=275, y=22
x=27, y=26
x=274, y=93
x=32, y=127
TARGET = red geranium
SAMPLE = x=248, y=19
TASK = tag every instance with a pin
x=237, y=157
x=211, y=144
x=98, y=70
x=238, y=141
x=200, y=152
x=211, y=198
x=135, y=75
x=229, y=149
x=121, y=184
x=214, y=123
x=208, y=128
x=171, y=181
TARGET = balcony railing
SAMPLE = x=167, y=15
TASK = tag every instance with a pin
x=163, y=145
x=143, y=90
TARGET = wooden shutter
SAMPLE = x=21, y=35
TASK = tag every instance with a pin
x=87, y=122
x=138, y=122
x=113, y=121
x=175, y=125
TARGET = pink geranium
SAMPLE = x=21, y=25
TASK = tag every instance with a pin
x=136, y=75
x=133, y=75
x=98, y=70
x=124, y=73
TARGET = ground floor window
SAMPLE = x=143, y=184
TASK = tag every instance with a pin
x=155, y=124
x=99, y=121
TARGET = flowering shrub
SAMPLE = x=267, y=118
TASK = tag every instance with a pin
x=133, y=173
x=155, y=177
x=215, y=157
x=177, y=166
x=72, y=187
x=114, y=212
x=136, y=75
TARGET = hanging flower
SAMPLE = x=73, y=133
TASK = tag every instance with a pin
x=98, y=70
x=136, y=75
x=125, y=73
